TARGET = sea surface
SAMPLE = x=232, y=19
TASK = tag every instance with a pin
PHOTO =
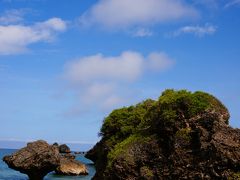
x=9, y=174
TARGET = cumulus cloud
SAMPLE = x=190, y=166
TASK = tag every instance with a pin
x=199, y=31
x=120, y=14
x=101, y=80
x=15, y=38
x=127, y=67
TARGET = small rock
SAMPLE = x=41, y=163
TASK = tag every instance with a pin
x=71, y=167
x=55, y=144
x=64, y=149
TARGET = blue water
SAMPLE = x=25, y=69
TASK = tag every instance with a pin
x=9, y=174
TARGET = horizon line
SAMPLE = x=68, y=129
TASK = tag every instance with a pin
x=49, y=141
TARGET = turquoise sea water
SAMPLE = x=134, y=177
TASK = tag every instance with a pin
x=9, y=174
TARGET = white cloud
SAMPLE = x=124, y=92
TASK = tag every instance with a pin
x=55, y=24
x=120, y=14
x=142, y=32
x=95, y=92
x=15, y=38
x=159, y=61
x=127, y=67
x=12, y=16
x=232, y=3
x=199, y=31
x=103, y=81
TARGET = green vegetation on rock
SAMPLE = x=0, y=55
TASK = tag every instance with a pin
x=234, y=176
x=151, y=131
x=122, y=123
x=120, y=148
x=184, y=133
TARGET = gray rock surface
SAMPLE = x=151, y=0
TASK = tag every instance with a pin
x=36, y=160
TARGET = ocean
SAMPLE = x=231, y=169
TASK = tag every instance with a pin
x=10, y=174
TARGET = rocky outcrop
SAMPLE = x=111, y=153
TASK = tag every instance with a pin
x=71, y=167
x=197, y=153
x=36, y=160
x=182, y=135
x=63, y=148
x=39, y=158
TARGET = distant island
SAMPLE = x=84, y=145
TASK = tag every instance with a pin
x=182, y=135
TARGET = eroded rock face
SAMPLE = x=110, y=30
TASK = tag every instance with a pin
x=71, y=167
x=183, y=135
x=36, y=160
x=199, y=154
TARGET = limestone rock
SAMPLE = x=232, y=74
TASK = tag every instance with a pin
x=36, y=160
x=182, y=135
x=71, y=167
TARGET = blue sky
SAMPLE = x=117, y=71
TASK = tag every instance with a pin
x=64, y=65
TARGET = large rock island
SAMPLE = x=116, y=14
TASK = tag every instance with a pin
x=182, y=135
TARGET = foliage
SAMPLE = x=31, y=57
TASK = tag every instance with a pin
x=234, y=176
x=174, y=107
x=184, y=133
x=165, y=118
x=121, y=123
x=121, y=147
